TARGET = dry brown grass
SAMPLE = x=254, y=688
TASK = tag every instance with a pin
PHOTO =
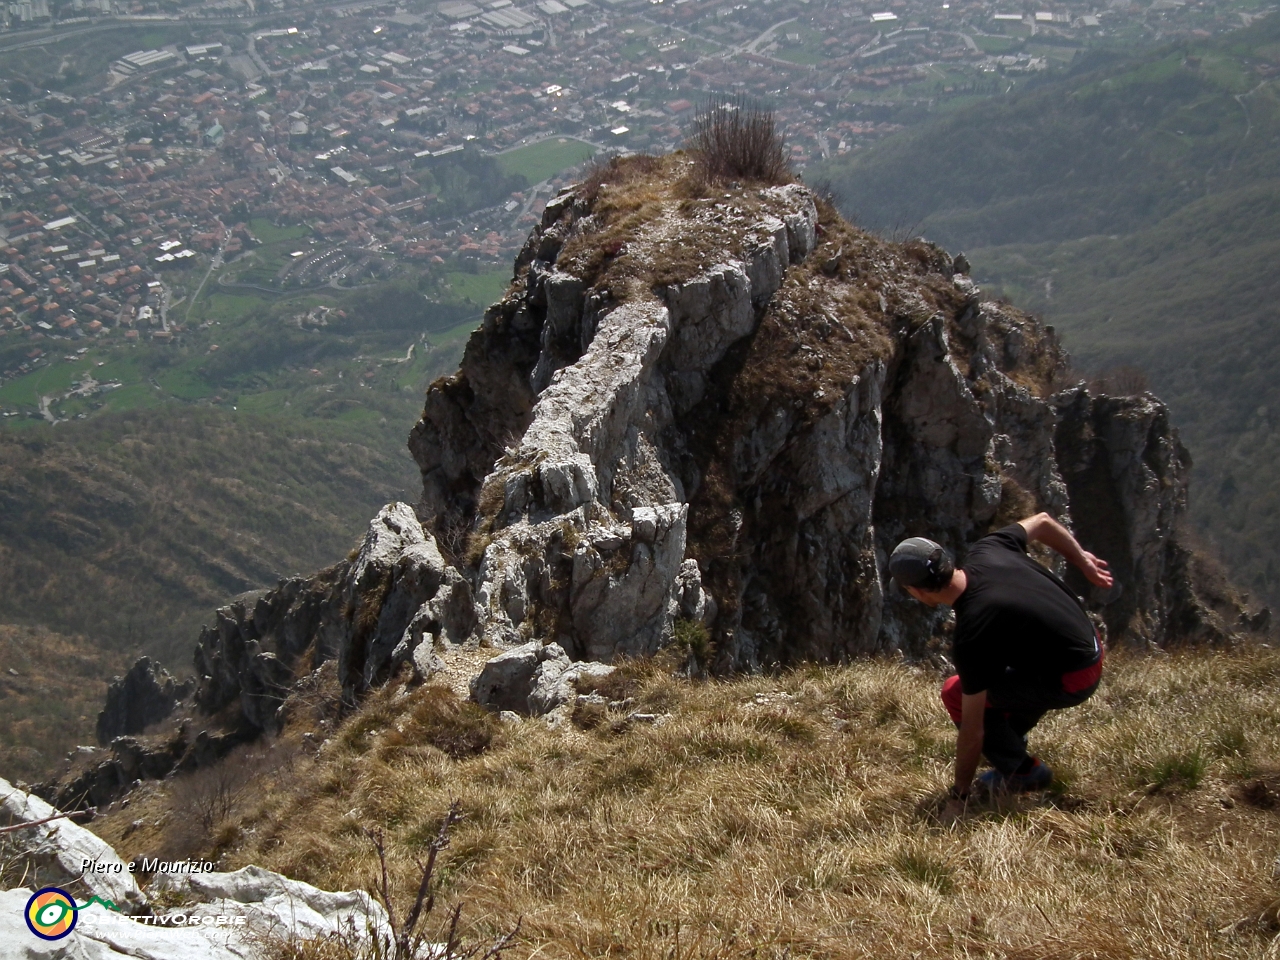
x=796, y=815
x=655, y=222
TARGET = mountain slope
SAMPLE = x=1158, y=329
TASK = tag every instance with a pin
x=252, y=448
x=1135, y=206
x=1192, y=304
x=51, y=689
x=1107, y=150
x=772, y=816
x=132, y=527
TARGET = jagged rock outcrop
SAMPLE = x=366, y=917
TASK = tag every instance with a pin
x=1121, y=458
x=96, y=778
x=532, y=679
x=739, y=441
x=369, y=613
x=142, y=697
x=704, y=415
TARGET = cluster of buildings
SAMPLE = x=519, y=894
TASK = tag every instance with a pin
x=63, y=278
x=377, y=125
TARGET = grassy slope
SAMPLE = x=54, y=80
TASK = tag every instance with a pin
x=794, y=814
x=1128, y=206
x=51, y=689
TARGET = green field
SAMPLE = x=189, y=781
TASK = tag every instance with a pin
x=544, y=159
x=25, y=392
x=269, y=233
x=261, y=264
x=803, y=56
x=805, y=51
x=1051, y=52
x=989, y=44
x=479, y=288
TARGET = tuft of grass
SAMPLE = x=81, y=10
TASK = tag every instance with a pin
x=693, y=638
x=1178, y=771
x=921, y=866
x=441, y=719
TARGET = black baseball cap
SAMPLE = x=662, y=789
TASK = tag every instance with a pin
x=918, y=562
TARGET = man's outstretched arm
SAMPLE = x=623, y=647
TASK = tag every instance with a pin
x=973, y=707
x=968, y=752
x=1052, y=534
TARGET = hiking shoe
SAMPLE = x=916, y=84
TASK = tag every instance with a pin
x=1037, y=778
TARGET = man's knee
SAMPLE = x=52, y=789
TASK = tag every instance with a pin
x=952, y=697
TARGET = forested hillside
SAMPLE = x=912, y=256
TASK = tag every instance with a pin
x=133, y=527
x=51, y=689
x=1136, y=204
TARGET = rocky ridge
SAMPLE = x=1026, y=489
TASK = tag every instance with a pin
x=700, y=419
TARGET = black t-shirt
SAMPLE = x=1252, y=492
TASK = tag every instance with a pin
x=1015, y=613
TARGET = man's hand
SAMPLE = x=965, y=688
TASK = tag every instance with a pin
x=952, y=812
x=1095, y=570
x=1054, y=535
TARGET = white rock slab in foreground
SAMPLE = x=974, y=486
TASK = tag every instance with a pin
x=274, y=904
x=55, y=853
x=228, y=916
x=239, y=915
x=102, y=935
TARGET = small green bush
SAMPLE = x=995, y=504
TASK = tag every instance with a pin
x=693, y=637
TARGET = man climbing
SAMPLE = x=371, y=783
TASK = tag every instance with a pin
x=1023, y=645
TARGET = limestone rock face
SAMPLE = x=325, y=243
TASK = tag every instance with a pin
x=143, y=696
x=740, y=448
x=273, y=902
x=1124, y=466
x=532, y=679
x=704, y=416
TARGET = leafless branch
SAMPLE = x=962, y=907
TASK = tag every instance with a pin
x=61, y=816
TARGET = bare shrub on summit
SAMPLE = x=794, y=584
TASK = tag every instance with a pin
x=1125, y=381
x=736, y=139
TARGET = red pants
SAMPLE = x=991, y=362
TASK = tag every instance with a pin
x=1016, y=704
